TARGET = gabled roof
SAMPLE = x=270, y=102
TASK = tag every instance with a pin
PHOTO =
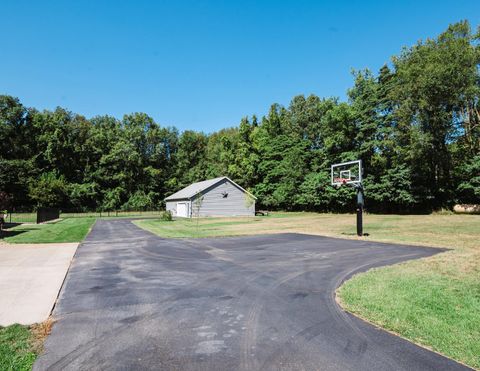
x=195, y=188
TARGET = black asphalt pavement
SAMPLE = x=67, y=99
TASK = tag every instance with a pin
x=134, y=301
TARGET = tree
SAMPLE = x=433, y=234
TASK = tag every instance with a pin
x=435, y=81
x=468, y=189
x=48, y=190
x=5, y=202
x=197, y=206
x=139, y=201
x=14, y=143
x=190, y=158
x=83, y=196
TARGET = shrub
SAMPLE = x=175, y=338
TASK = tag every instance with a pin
x=166, y=216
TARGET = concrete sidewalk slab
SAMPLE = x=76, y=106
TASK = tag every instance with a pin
x=31, y=276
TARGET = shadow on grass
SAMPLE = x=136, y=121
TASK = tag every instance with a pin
x=8, y=233
x=10, y=225
x=354, y=234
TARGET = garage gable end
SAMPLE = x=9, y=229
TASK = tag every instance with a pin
x=224, y=198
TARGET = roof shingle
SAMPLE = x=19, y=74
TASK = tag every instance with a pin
x=194, y=188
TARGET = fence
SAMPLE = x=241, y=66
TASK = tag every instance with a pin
x=21, y=217
x=110, y=214
x=46, y=214
x=31, y=217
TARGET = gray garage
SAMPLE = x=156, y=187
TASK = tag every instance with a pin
x=213, y=197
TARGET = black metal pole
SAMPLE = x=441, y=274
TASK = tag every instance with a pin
x=360, y=203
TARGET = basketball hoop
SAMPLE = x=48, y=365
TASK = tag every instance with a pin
x=340, y=181
x=350, y=173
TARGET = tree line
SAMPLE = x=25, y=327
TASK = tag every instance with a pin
x=415, y=124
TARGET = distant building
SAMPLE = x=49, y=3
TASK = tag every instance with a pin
x=213, y=197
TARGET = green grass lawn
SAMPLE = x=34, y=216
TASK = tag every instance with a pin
x=189, y=228
x=17, y=348
x=433, y=301
x=422, y=305
x=67, y=230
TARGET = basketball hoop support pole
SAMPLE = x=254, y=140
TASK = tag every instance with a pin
x=360, y=203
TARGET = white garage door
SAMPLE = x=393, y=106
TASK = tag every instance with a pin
x=182, y=209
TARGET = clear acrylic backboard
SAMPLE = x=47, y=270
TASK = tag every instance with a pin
x=347, y=173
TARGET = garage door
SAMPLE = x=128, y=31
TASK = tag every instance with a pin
x=182, y=209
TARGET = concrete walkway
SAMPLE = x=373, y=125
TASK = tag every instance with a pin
x=31, y=276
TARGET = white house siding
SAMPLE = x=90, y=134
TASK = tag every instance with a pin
x=172, y=206
x=215, y=204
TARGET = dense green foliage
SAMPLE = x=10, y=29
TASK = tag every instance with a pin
x=415, y=124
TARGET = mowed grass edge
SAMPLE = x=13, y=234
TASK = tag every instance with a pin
x=433, y=301
x=424, y=307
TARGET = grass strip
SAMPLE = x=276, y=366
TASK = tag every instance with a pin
x=67, y=230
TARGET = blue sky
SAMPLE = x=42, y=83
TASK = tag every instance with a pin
x=202, y=65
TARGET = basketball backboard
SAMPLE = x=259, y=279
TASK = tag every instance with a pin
x=346, y=173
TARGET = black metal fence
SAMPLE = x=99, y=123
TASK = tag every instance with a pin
x=17, y=217
x=26, y=216
x=46, y=214
x=69, y=213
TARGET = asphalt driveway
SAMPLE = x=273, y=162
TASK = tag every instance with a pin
x=132, y=300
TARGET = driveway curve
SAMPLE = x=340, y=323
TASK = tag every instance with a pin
x=133, y=300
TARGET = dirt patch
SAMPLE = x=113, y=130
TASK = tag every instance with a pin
x=40, y=331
